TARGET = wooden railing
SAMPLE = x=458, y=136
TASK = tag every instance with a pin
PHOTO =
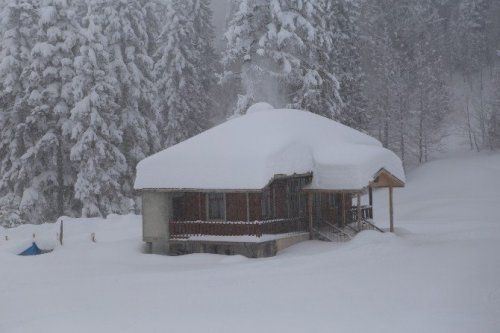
x=366, y=213
x=185, y=229
x=368, y=225
x=366, y=218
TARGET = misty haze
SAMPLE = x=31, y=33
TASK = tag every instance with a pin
x=249, y=165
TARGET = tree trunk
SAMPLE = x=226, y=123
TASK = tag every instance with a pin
x=469, y=128
x=421, y=131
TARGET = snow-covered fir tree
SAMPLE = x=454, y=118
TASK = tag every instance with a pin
x=240, y=58
x=44, y=170
x=205, y=35
x=494, y=117
x=306, y=32
x=470, y=44
x=131, y=66
x=278, y=47
x=93, y=126
x=179, y=74
x=341, y=17
x=19, y=20
x=431, y=98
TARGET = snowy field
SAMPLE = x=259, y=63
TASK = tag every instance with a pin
x=440, y=272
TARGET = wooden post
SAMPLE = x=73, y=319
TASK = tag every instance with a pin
x=310, y=204
x=343, y=210
x=391, y=210
x=370, y=196
x=359, y=210
x=61, y=233
x=248, y=207
x=199, y=206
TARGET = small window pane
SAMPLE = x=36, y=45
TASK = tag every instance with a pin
x=216, y=206
x=178, y=205
x=266, y=204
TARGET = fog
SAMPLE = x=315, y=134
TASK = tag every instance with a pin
x=220, y=8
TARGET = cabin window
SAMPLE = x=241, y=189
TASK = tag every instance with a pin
x=334, y=200
x=297, y=199
x=266, y=206
x=216, y=206
x=177, y=208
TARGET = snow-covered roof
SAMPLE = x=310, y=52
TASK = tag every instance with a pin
x=245, y=153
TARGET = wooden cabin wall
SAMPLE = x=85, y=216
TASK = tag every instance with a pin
x=334, y=215
x=255, y=206
x=348, y=206
x=194, y=206
x=325, y=209
x=236, y=206
x=278, y=198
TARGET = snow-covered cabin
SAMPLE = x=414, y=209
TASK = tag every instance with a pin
x=269, y=178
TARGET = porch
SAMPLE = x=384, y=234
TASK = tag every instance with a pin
x=187, y=229
x=252, y=239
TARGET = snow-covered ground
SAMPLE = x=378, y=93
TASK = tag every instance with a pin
x=440, y=272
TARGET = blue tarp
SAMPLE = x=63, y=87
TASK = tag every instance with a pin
x=33, y=250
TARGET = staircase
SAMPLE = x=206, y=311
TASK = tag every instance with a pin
x=331, y=233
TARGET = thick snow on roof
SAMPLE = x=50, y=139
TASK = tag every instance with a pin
x=248, y=151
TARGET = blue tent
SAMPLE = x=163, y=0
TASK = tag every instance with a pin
x=33, y=250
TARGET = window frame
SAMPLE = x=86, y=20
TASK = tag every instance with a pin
x=266, y=205
x=221, y=209
x=295, y=196
x=334, y=201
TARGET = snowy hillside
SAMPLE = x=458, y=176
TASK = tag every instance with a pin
x=439, y=273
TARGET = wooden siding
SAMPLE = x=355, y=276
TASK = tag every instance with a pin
x=191, y=206
x=278, y=198
x=333, y=215
x=236, y=206
x=255, y=209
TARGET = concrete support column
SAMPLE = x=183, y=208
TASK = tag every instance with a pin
x=157, y=212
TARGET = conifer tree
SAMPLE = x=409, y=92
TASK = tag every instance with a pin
x=93, y=126
x=202, y=16
x=131, y=66
x=342, y=17
x=18, y=28
x=242, y=63
x=494, y=117
x=282, y=49
x=179, y=74
x=44, y=170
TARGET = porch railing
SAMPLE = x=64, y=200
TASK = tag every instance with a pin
x=366, y=219
x=366, y=213
x=185, y=229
